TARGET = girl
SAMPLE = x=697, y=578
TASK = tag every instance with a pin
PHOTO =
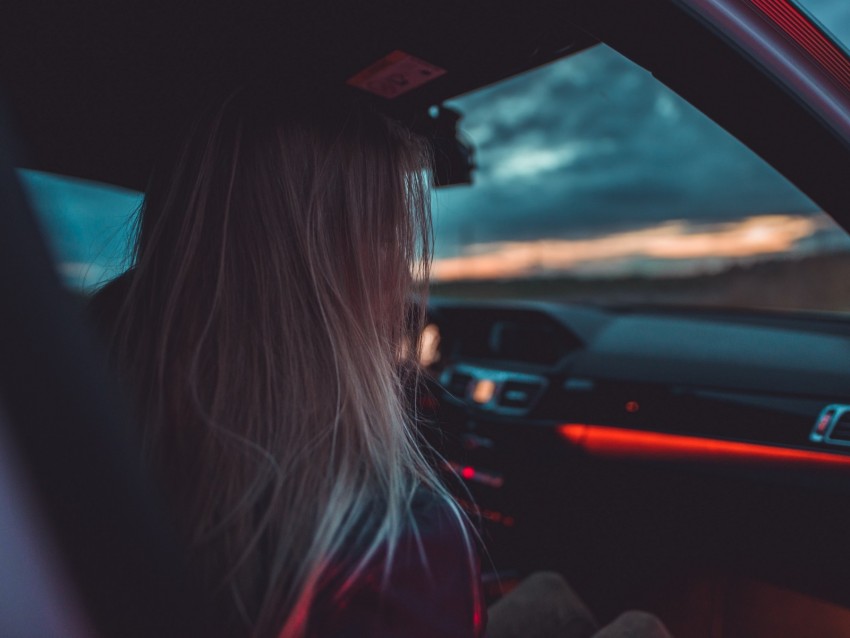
x=268, y=332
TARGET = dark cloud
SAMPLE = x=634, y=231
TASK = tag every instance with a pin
x=594, y=144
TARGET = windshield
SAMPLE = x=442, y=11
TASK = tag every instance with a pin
x=597, y=183
x=594, y=183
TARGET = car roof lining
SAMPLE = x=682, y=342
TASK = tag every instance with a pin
x=95, y=93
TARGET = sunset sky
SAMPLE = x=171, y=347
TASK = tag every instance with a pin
x=669, y=248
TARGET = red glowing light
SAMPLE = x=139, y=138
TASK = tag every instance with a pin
x=622, y=443
x=428, y=402
x=471, y=474
x=824, y=421
x=632, y=406
x=491, y=515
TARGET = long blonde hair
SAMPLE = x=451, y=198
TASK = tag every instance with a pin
x=268, y=330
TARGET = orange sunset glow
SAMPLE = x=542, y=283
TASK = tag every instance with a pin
x=676, y=240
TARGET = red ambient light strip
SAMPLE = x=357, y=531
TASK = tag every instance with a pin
x=622, y=443
x=808, y=37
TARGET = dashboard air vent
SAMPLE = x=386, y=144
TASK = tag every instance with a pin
x=459, y=384
x=841, y=430
x=832, y=426
x=494, y=390
x=518, y=394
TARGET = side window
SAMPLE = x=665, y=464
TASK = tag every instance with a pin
x=88, y=226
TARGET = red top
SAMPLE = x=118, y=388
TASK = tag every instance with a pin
x=442, y=598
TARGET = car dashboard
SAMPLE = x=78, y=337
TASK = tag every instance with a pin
x=762, y=378
x=646, y=437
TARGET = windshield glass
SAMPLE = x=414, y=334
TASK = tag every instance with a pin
x=594, y=183
x=597, y=183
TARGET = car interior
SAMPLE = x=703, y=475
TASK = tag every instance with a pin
x=683, y=460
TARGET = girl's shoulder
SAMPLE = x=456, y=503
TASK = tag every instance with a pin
x=433, y=587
